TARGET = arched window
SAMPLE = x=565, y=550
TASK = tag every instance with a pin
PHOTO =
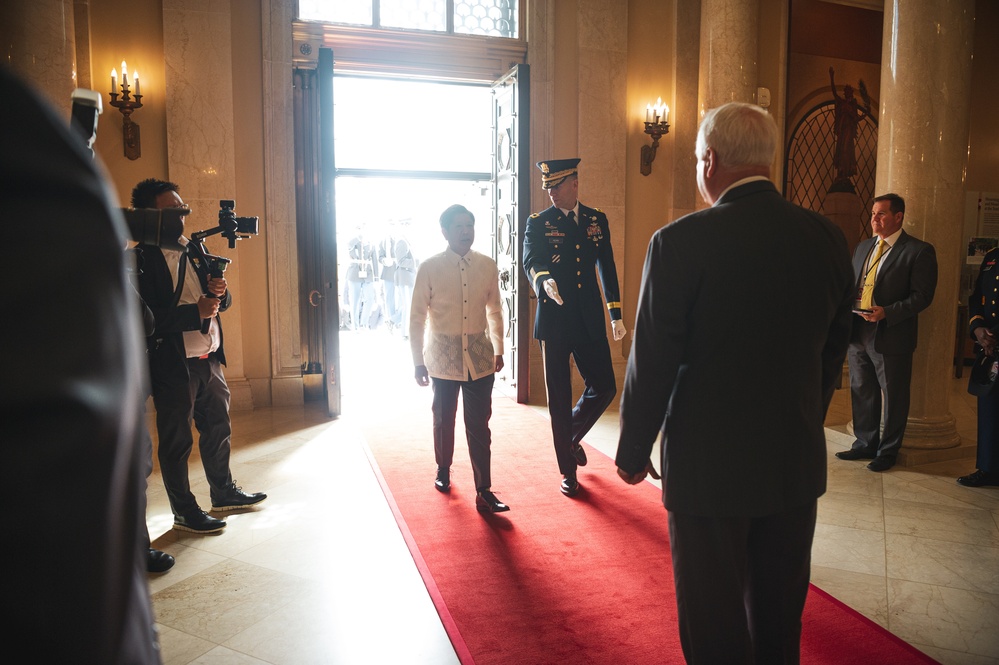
x=809, y=171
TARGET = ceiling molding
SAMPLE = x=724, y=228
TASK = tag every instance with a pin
x=873, y=5
x=431, y=55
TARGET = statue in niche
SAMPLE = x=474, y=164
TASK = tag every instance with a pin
x=848, y=115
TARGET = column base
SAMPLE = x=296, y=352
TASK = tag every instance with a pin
x=931, y=440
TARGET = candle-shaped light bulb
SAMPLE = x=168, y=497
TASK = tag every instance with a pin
x=659, y=109
x=135, y=78
x=124, y=73
x=114, y=81
x=665, y=114
x=648, y=113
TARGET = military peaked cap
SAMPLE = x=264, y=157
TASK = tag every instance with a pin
x=554, y=171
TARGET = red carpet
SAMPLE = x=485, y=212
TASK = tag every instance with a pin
x=584, y=580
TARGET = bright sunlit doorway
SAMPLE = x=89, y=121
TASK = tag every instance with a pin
x=377, y=159
x=405, y=150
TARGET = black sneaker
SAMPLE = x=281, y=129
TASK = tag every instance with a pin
x=198, y=522
x=235, y=498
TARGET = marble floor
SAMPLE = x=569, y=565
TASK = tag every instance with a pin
x=321, y=574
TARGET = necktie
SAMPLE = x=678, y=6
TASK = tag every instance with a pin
x=572, y=216
x=867, y=295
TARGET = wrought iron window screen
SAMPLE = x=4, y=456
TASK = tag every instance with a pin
x=490, y=18
x=808, y=166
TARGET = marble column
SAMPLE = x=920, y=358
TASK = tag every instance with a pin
x=201, y=142
x=728, y=52
x=684, y=119
x=40, y=46
x=286, y=382
x=922, y=154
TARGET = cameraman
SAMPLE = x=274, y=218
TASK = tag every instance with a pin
x=185, y=367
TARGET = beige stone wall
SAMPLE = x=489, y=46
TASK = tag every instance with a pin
x=595, y=64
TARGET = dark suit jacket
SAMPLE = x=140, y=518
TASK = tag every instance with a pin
x=71, y=398
x=904, y=287
x=743, y=324
x=166, y=345
x=555, y=248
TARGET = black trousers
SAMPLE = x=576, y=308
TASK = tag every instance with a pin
x=477, y=405
x=879, y=395
x=571, y=423
x=988, y=432
x=204, y=398
x=741, y=585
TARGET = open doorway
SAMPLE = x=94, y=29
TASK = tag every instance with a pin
x=404, y=150
x=378, y=158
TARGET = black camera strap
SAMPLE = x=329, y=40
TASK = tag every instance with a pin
x=181, y=274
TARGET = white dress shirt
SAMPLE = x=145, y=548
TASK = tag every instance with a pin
x=196, y=344
x=456, y=308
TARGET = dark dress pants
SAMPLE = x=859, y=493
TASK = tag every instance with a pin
x=741, y=585
x=988, y=432
x=205, y=398
x=879, y=395
x=570, y=424
x=477, y=406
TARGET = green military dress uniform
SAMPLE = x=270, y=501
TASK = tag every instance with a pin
x=572, y=252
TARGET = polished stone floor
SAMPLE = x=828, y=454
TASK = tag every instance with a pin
x=321, y=574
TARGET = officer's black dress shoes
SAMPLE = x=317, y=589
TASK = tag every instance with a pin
x=579, y=454
x=855, y=453
x=881, y=463
x=198, y=522
x=569, y=486
x=486, y=502
x=234, y=498
x=443, y=482
x=158, y=561
x=979, y=479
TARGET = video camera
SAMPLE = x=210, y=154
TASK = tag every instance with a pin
x=231, y=227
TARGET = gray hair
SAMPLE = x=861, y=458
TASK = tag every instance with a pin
x=740, y=134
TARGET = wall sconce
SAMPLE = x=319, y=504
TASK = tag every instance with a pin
x=128, y=103
x=656, y=125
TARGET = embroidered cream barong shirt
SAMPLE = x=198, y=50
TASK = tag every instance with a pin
x=456, y=324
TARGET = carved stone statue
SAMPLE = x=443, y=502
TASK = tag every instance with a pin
x=848, y=115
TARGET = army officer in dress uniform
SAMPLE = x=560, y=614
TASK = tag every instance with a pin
x=984, y=329
x=564, y=247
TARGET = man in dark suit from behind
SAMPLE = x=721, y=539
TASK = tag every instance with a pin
x=743, y=323
x=71, y=484
x=896, y=276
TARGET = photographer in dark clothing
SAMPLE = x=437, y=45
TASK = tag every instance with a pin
x=185, y=367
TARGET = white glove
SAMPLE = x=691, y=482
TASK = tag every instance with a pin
x=551, y=288
x=617, y=327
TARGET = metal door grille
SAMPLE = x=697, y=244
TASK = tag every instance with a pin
x=809, y=169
